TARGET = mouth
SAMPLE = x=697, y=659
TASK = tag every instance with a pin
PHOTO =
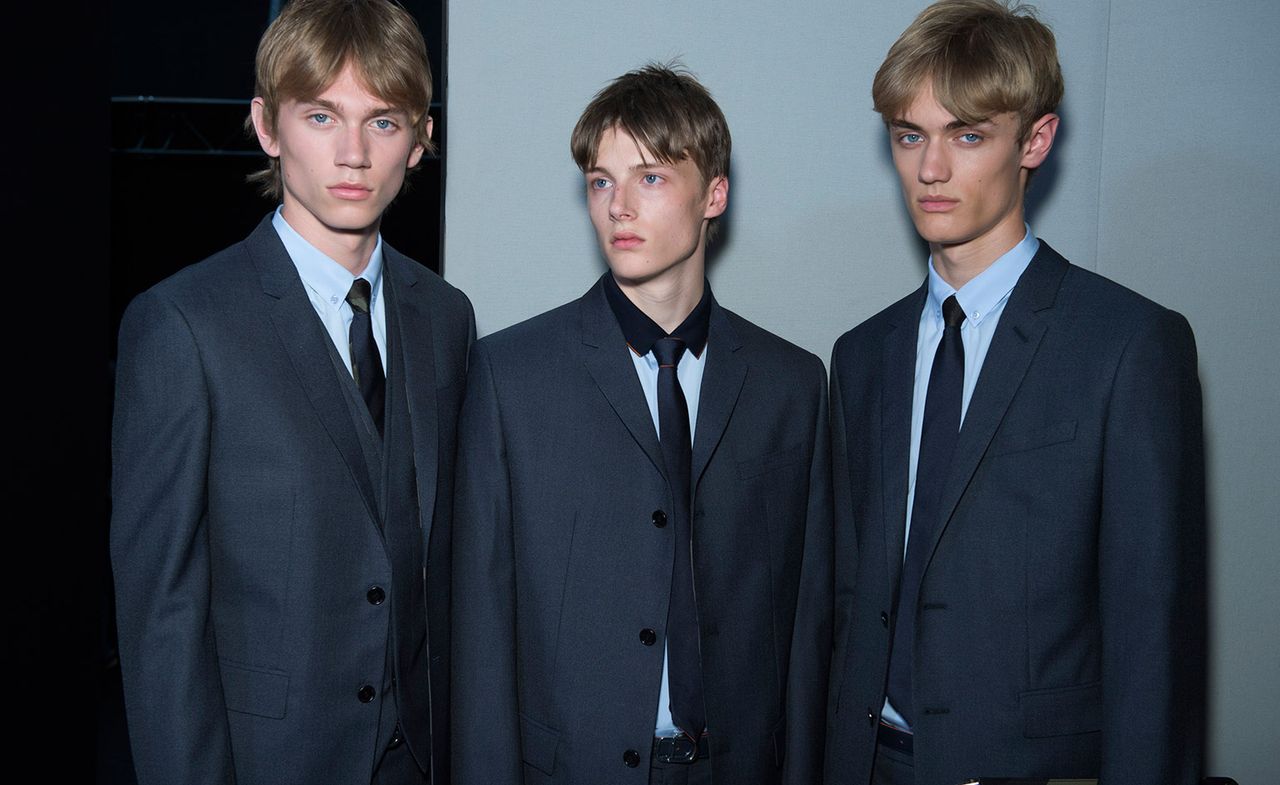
x=351, y=191
x=625, y=240
x=936, y=204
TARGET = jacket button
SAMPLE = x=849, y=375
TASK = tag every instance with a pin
x=871, y=718
x=631, y=758
x=659, y=518
x=648, y=637
x=376, y=595
x=884, y=619
x=366, y=693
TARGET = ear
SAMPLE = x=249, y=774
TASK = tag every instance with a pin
x=266, y=137
x=415, y=155
x=717, y=197
x=1039, y=141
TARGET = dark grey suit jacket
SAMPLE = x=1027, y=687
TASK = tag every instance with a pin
x=262, y=565
x=558, y=566
x=1060, y=623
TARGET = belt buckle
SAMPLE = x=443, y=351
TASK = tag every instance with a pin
x=675, y=749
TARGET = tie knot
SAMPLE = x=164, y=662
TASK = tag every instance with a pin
x=668, y=351
x=952, y=313
x=358, y=297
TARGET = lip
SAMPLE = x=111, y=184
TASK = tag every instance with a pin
x=351, y=191
x=936, y=204
x=626, y=240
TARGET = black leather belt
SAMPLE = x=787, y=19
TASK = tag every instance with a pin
x=678, y=749
x=893, y=738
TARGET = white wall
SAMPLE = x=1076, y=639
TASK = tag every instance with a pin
x=1164, y=179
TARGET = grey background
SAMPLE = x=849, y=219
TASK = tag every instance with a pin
x=1163, y=178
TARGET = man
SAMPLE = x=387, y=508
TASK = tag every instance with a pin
x=280, y=535
x=1018, y=463
x=585, y=519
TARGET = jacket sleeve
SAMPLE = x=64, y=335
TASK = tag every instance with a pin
x=1151, y=562
x=160, y=551
x=485, y=713
x=811, y=637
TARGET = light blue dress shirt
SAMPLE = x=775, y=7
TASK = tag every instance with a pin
x=983, y=299
x=327, y=284
x=689, y=372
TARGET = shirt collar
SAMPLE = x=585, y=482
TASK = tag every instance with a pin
x=642, y=332
x=984, y=292
x=322, y=274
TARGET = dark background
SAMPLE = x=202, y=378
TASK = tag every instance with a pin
x=127, y=156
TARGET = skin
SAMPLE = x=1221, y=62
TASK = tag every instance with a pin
x=964, y=183
x=343, y=157
x=651, y=221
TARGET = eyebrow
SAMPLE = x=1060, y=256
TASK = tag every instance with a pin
x=377, y=111
x=954, y=125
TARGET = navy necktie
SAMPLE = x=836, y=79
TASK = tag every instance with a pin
x=366, y=363
x=937, y=443
x=684, y=660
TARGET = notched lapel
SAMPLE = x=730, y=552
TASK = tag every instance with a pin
x=898, y=367
x=409, y=327
x=722, y=382
x=306, y=342
x=1013, y=346
x=605, y=357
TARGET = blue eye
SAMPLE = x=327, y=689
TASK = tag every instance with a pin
x=383, y=124
x=320, y=118
x=911, y=138
x=652, y=179
x=971, y=138
x=599, y=183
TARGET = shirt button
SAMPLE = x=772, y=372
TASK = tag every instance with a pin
x=648, y=637
x=631, y=758
x=366, y=693
x=376, y=595
x=659, y=518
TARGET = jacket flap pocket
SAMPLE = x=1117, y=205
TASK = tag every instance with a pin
x=538, y=744
x=1062, y=711
x=254, y=691
x=1039, y=437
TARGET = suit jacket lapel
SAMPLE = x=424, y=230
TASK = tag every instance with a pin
x=404, y=311
x=306, y=342
x=605, y=356
x=898, y=367
x=722, y=380
x=1013, y=346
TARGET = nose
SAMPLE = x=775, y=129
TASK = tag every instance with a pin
x=935, y=165
x=353, y=148
x=620, y=208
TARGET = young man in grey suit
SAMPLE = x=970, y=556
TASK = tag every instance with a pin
x=614, y=454
x=1018, y=464
x=283, y=447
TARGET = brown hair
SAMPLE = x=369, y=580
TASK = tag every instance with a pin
x=305, y=49
x=667, y=111
x=983, y=57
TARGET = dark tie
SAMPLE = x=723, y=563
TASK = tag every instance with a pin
x=937, y=443
x=683, y=659
x=366, y=364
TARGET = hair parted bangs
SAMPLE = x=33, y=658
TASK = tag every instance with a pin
x=982, y=58
x=309, y=44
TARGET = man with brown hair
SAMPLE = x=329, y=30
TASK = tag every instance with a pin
x=283, y=447
x=1018, y=463
x=620, y=450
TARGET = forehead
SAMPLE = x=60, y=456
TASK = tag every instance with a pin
x=350, y=88
x=618, y=148
x=923, y=108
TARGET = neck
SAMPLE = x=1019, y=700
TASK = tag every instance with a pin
x=960, y=263
x=351, y=249
x=667, y=301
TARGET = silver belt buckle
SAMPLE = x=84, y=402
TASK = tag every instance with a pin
x=675, y=749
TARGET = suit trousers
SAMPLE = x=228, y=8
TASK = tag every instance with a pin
x=696, y=773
